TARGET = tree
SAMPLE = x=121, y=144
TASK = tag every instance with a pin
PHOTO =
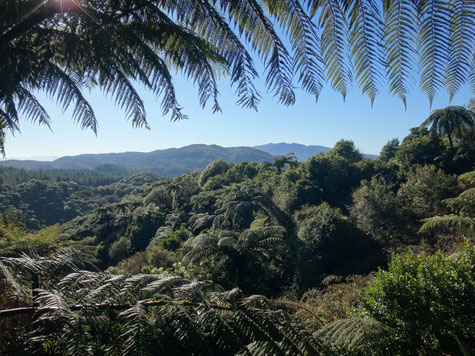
x=389, y=150
x=452, y=121
x=174, y=188
x=347, y=150
x=281, y=161
x=244, y=260
x=63, y=47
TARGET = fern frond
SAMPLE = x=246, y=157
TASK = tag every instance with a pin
x=448, y=223
x=401, y=27
x=366, y=33
x=354, y=335
x=305, y=42
x=461, y=45
x=334, y=44
x=29, y=106
x=433, y=42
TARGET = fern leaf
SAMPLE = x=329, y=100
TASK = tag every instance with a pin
x=399, y=34
x=461, y=44
x=334, y=44
x=433, y=42
x=366, y=33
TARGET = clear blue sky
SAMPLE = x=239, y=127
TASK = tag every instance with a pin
x=322, y=123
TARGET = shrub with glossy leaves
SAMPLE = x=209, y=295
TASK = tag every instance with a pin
x=428, y=301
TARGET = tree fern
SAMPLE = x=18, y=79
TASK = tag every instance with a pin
x=190, y=318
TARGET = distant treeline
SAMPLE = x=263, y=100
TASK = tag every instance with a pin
x=104, y=174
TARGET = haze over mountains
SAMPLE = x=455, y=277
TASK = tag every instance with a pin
x=172, y=161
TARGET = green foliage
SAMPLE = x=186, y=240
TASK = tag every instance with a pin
x=119, y=250
x=463, y=206
x=425, y=189
x=347, y=150
x=143, y=228
x=102, y=175
x=389, y=150
x=219, y=166
x=174, y=241
x=427, y=300
x=452, y=121
x=253, y=260
x=155, y=314
x=418, y=148
x=330, y=245
x=376, y=210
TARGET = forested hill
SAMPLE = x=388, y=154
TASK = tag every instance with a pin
x=166, y=163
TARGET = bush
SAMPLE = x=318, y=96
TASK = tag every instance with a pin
x=428, y=301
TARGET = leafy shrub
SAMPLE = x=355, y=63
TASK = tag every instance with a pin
x=428, y=301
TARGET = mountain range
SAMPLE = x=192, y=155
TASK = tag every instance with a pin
x=172, y=162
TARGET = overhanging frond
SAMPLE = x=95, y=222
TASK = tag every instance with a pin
x=401, y=28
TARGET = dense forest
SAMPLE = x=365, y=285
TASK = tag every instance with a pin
x=336, y=255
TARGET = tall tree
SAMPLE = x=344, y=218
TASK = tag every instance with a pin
x=452, y=121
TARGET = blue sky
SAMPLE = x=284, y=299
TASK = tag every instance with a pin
x=321, y=123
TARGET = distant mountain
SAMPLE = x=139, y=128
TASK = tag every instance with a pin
x=302, y=152
x=166, y=163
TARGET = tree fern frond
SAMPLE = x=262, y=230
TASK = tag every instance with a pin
x=29, y=106
x=304, y=38
x=433, y=42
x=401, y=28
x=10, y=114
x=461, y=44
x=448, y=223
x=59, y=84
x=334, y=44
x=8, y=276
x=354, y=335
x=257, y=29
x=137, y=330
x=366, y=33
x=165, y=285
x=468, y=178
x=464, y=204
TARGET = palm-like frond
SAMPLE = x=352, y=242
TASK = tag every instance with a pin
x=400, y=30
x=448, y=223
x=192, y=318
x=367, y=52
x=461, y=44
x=356, y=336
x=432, y=44
x=334, y=43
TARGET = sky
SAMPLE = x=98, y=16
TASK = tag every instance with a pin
x=307, y=122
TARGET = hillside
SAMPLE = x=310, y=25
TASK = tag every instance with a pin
x=166, y=163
